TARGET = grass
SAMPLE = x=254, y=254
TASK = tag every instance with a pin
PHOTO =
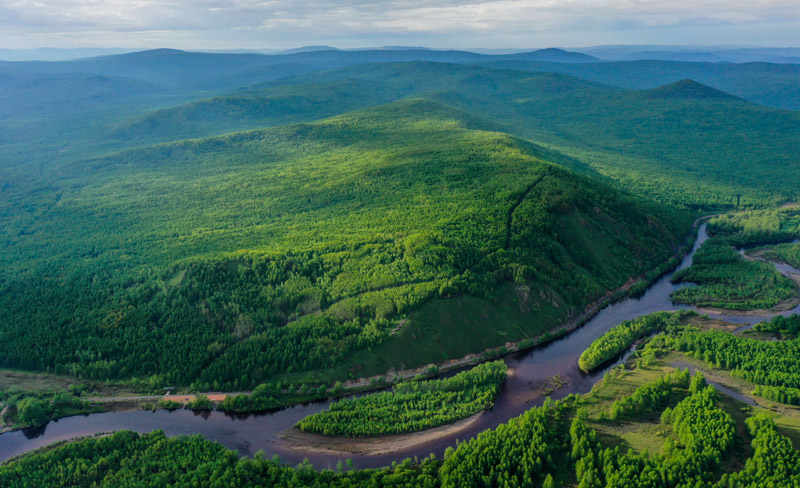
x=452, y=328
x=28, y=381
x=34, y=382
x=639, y=433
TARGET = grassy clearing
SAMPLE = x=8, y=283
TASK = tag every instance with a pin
x=640, y=433
x=33, y=382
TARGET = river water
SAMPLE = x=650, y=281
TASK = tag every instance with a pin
x=249, y=433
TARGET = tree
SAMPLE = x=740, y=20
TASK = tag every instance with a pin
x=32, y=411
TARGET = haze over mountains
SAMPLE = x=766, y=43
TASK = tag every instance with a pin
x=730, y=54
x=159, y=95
x=284, y=223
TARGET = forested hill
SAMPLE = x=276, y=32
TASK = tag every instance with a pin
x=771, y=84
x=685, y=144
x=227, y=261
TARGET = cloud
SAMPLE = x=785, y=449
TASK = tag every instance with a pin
x=375, y=22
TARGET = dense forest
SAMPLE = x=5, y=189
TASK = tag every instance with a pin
x=627, y=136
x=411, y=406
x=278, y=226
x=727, y=280
x=355, y=221
x=771, y=365
x=286, y=251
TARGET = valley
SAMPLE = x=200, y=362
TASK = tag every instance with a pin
x=527, y=371
x=398, y=268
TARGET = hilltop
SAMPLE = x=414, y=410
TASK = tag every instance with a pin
x=290, y=249
x=658, y=142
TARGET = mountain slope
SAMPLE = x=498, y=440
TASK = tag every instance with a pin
x=774, y=85
x=291, y=249
x=282, y=105
x=685, y=143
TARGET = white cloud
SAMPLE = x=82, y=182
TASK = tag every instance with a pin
x=283, y=23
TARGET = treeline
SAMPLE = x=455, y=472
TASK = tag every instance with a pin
x=411, y=406
x=621, y=337
x=787, y=327
x=152, y=460
x=521, y=453
x=650, y=396
x=37, y=408
x=780, y=394
x=263, y=397
x=769, y=364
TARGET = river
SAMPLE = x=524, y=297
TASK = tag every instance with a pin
x=249, y=433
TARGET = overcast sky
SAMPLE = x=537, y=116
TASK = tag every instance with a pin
x=277, y=24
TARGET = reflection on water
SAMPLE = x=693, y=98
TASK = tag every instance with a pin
x=34, y=432
x=248, y=433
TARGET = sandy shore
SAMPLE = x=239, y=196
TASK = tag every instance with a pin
x=314, y=443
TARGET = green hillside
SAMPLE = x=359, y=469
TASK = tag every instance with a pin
x=771, y=84
x=282, y=104
x=685, y=144
x=226, y=261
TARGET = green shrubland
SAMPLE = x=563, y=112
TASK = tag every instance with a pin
x=26, y=408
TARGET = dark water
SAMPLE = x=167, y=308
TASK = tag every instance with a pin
x=248, y=434
x=724, y=389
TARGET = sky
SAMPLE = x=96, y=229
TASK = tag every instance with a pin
x=281, y=24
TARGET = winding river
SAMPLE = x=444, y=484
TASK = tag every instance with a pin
x=247, y=434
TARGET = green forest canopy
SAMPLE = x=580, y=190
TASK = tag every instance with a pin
x=223, y=262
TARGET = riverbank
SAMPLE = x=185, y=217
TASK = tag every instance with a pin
x=339, y=446
x=528, y=385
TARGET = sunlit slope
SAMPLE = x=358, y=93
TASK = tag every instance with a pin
x=229, y=260
x=685, y=144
